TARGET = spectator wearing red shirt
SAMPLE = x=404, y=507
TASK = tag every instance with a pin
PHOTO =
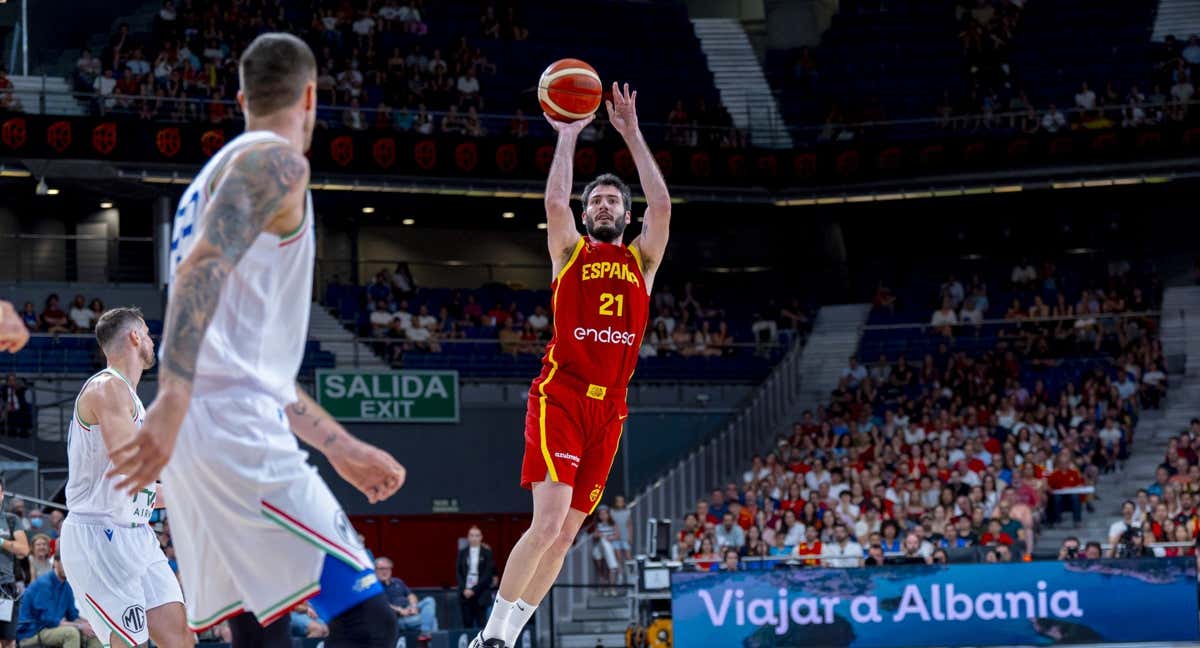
x=809, y=550
x=703, y=515
x=1065, y=475
x=995, y=535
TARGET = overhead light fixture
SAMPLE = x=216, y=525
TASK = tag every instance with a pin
x=508, y=215
x=408, y=221
x=368, y=210
x=106, y=205
x=52, y=192
x=541, y=226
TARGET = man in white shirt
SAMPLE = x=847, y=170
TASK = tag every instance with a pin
x=381, y=319
x=468, y=86
x=944, y=318
x=1085, y=99
x=855, y=372
x=842, y=552
x=665, y=318
x=539, y=321
x=105, y=85
x=729, y=534
x=836, y=485
x=476, y=571
x=364, y=25
x=1118, y=528
x=1053, y=120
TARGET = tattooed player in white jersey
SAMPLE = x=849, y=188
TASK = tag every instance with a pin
x=122, y=583
x=222, y=430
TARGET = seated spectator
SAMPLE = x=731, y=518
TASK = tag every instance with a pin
x=995, y=534
x=30, y=317
x=468, y=90
x=729, y=534
x=48, y=616
x=306, y=624
x=854, y=372
x=381, y=319
x=41, y=560
x=944, y=319
x=81, y=317
x=731, y=561
x=842, y=552
x=1053, y=120
x=53, y=319
x=1065, y=475
x=706, y=558
x=411, y=613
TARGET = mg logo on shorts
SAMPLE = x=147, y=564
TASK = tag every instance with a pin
x=345, y=530
x=134, y=618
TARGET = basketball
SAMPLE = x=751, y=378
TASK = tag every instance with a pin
x=569, y=90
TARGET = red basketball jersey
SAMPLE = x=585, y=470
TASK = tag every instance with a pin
x=600, y=309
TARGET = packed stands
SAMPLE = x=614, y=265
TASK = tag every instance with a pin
x=455, y=68
x=965, y=454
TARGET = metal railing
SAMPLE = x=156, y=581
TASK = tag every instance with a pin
x=714, y=462
x=333, y=116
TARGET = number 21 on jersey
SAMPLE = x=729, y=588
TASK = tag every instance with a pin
x=608, y=300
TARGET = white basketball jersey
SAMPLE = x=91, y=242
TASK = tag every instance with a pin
x=88, y=491
x=256, y=339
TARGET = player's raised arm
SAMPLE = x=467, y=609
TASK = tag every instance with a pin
x=261, y=183
x=371, y=470
x=561, y=234
x=652, y=242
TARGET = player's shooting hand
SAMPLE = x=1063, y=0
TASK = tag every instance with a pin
x=140, y=461
x=371, y=470
x=622, y=110
x=13, y=334
x=571, y=129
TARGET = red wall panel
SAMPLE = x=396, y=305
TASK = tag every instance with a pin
x=424, y=547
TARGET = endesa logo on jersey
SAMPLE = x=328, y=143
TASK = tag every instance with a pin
x=606, y=336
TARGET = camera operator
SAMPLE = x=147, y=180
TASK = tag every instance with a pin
x=1069, y=549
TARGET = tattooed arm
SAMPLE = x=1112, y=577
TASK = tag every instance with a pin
x=371, y=470
x=262, y=185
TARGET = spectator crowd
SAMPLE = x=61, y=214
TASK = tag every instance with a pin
x=959, y=455
x=686, y=323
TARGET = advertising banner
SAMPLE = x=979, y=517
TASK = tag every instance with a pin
x=1037, y=604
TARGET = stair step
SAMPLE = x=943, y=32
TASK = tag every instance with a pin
x=599, y=614
x=597, y=640
x=592, y=627
x=608, y=602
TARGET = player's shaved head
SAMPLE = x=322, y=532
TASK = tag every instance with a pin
x=274, y=70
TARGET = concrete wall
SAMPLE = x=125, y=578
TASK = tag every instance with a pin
x=744, y=10
x=428, y=250
x=795, y=23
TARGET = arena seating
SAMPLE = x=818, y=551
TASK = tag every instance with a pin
x=975, y=448
x=896, y=58
x=472, y=347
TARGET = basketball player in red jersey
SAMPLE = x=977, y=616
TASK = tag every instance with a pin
x=576, y=407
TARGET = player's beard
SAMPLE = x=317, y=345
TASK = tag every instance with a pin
x=148, y=357
x=606, y=232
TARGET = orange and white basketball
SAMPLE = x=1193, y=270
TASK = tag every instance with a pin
x=569, y=90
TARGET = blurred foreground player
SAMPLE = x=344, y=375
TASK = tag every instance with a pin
x=242, y=256
x=13, y=334
x=576, y=408
x=120, y=577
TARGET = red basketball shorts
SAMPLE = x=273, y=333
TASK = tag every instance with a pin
x=572, y=432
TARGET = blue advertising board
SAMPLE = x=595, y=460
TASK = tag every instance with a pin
x=1037, y=604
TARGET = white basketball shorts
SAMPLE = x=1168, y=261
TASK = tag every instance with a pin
x=116, y=573
x=250, y=518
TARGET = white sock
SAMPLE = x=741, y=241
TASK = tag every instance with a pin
x=521, y=614
x=498, y=621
